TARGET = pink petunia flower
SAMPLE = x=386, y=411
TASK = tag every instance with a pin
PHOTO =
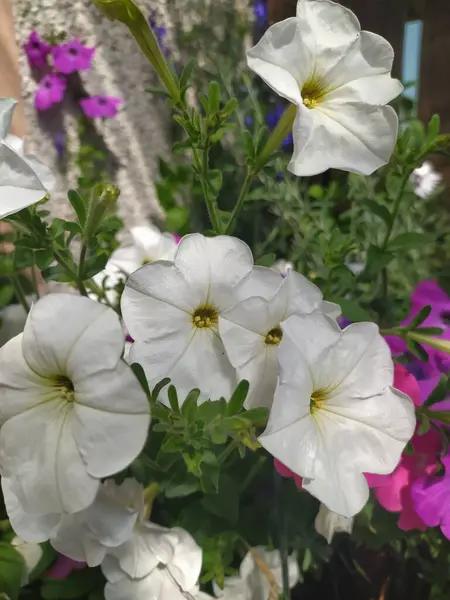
x=63, y=567
x=72, y=56
x=36, y=50
x=51, y=91
x=98, y=107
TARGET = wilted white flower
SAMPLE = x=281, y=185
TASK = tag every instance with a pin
x=31, y=554
x=251, y=332
x=87, y=536
x=171, y=310
x=72, y=412
x=149, y=245
x=169, y=575
x=282, y=267
x=339, y=78
x=23, y=180
x=327, y=523
x=425, y=180
x=335, y=415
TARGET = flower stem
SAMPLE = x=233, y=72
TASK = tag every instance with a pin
x=240, y=201
x=397, y=203
x=282, y=533
x=20, y=293
x=211, y=206
x=80, y=283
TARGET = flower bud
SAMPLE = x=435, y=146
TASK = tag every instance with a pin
x=103, y=200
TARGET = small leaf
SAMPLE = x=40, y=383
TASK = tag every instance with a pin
x=316, y=191
x=94, y=265
x=207, y=411
x=424, y=426
x=439, y=393
x=173, y=399
x=421, y=316
x=256, y=415
x=377, y=259
x=411, y=240
x=176, y=218
x=213, y=97
x=417, y=350
x=433, y=128
x=189, y=406
x=11, y=569
x=379, y=210
x=353, y=311
x=215, y=181
x=187, y=72
x=158, y=387
x=267, y=260
x=78, y=205
x=140, y=374
x=238, y=398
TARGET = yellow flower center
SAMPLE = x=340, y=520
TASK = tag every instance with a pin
x=65, y=387
x=274, y=337
x=317, y=401
x=313, y=92
x=205, y=317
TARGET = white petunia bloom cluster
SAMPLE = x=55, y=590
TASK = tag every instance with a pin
x=339, y=79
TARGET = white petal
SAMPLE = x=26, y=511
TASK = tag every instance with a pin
x=330, y=309
x=20, y=387
x=7, y=108
x=186, y=563
x=358, y=365
x=125, y=259
x=303, y=296
x=15, y=143
x=261, y=372
x=110, y=420
x=343, y=492
x=327, y=523
x=350, y=136
x=261, y=281
x=241, y=343
x=214, y=265
x=34, y=527
x=235, y=588
x=73, y=540
x=156, y=586
x=333, y=25
x=38, y=448
x=71, y=350
x=282, y=60
x=257, y=581
x=31, y=554
x=153, y=244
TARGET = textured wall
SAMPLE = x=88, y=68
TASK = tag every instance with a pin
x=136, y=137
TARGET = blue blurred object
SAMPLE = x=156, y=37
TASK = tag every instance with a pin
x=261, y=13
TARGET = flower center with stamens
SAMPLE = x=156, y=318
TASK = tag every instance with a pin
x=317, y=400
x=205, y=317
x=65, y=387
x=312, y=92
x=274, y=337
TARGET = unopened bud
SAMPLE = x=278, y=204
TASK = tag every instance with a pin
x=102, y=201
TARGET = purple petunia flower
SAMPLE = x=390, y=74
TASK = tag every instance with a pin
x=59, y=141
x=160, y=32
x=36, y=50
x=96, y=107
x=261, y=13
x=272, y=120
x=63, y=567
x=51, y=91
x=431, y=498
x=72, y=56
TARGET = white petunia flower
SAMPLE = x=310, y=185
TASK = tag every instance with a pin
x=31, y=554
x=251, y=332
x=172, y=309
x=87, y=536
x=23, y=180
x=335, y=415
x=339, y=78
x=282, y=267
x=425, y=180
x=72, y=412
x=149, y=245
x=327, y=523
x=167, y=576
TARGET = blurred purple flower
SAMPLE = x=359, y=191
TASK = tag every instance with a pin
x=59, y=141
x=97, y=107
x=261, y=13
x=63, y=567
x=272, y=120
x=431, y=498
x=160, y=32
x=72, y=56
x=51, y=91
x=36, y=50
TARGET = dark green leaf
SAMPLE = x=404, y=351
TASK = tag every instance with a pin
x=267, y=260
x=238, y=398
x=215, y=180
x=213, y=97
x=377, y=259
x=187, y=72
x=173, y=399
x=421, y=316
x=225, y=503
x=424, y=425
x=181, y=490
x=157, y=90
x=78, y=205
x=140, y=374
x=224, y=217
x=77, y=584
x=158, y=387
x=208, y=411
x=11, y=569
x=411, y=240
x=433, y=128
x=353, y=311
x=189, y=406
x=94, y=265
x=417, y=350
x=256, y=415
x=430, y=330
x=439, y=393
x=379, y=210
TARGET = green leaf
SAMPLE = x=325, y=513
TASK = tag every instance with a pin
x=353, y=311
x=238, y=398
x=439, y=393
x=256, y=415
x=215, y=179
x=140, y=374
x=213, y=97
x=224, y=218
x=189, y=406
x=208, y=411
x=6, y=295
x=229, y=107
x=411, y=240
x=76, y=585
x=225, y=503
x=176, y=218
x=158, y=387
x=417, y=350
x=94, y=265
x=157, y=90
x=316, y=191
x=424, y=425
x=173, y=399
x=267, y=260
x=377, y=259
x=187, y=72
x=78, y=205
x=421, y=316
x=181, y=490
x=434, y=127
x=12, y=567
x=379, y=210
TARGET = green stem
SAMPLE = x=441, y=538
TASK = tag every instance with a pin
x=397, y=203
x=20, y=293
x=71, y=272
x=240, y=201
x=80, y=282
x=35, y=282
x=283, y=128
x=282, y=533
x=211, y=206
x=227, y=452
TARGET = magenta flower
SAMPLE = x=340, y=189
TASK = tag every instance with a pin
x=36, y=50
x=431, y=498
x=177, y=237
x=285, y=472
x=72, y=56
x=97, y=107
x=63, y=567
x=427, y=293
x=51, y=91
